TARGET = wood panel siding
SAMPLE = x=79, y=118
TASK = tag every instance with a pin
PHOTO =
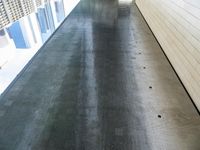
x=176, y=25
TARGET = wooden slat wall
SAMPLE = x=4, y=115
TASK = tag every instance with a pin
x=176, y=25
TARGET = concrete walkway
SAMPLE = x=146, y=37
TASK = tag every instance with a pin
x=101, y=83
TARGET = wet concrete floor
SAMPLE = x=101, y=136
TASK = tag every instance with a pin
x=100, y=83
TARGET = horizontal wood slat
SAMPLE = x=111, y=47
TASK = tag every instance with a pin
x=176, y=25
